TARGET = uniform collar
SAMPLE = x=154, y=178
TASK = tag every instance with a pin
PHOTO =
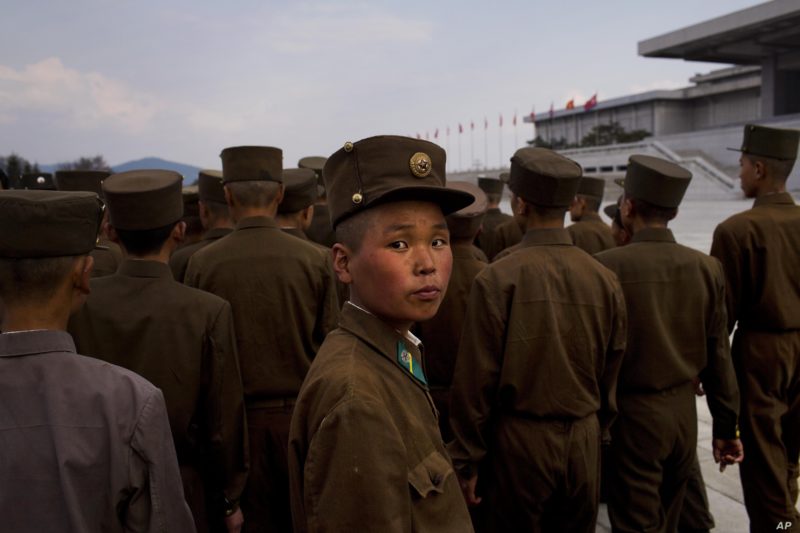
x=591, y=216
x=463, y=251
x=143, y=268
x=216, y=233
x=493, y=210
x=781, y=198
x=385, y=340
x=545, y=236
x=296, y=232
x=653, y=235
x=256, y=222
x=15, y=344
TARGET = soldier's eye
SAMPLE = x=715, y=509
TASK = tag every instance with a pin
x=438, y=243
x=398, y=245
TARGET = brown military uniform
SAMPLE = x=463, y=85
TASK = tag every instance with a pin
x=760, y=252
x=493, y=218
x=442, y=333
x=86, y=445
x=364, y=446
x=320, y=230
x=676, y=332
x=271, y=279
x=180, y=259
x=106, y=259
x=181, y=340
x=591, y=234
x=535, y=383
x=506, y=235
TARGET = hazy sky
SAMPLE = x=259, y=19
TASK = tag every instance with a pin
x=183, y=79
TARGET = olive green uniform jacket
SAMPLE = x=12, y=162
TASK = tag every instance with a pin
x=365, y=451
x=493, y=218
x=180, y=259
x=182, y=341
x=320, y=230
x=677, y=331
x=506, y=235
x=442, y=333
x=86, y=445
x=283, y=297
x=542, y=344
x=760, y=252
x=591, y=234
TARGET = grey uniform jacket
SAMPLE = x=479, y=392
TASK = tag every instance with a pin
x=85, y=445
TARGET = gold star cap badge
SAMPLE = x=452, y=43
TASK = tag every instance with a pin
x=421, y=164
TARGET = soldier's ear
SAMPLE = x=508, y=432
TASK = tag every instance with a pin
x=341, y=263
x=112, y=233
x=179, y=231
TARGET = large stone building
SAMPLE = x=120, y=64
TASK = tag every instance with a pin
x=695, y=125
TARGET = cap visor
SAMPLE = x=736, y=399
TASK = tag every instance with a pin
x=449, y=200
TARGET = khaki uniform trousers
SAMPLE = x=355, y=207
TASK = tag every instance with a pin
x=653, y=451
x=768, y=370
x=543, y=475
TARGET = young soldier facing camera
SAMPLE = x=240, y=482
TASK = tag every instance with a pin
x=365, y=451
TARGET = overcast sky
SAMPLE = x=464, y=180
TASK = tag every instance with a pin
x=183, y=79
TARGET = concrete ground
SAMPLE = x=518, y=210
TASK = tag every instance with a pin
x=724, y=489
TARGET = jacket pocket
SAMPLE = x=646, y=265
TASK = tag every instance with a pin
x=430, y=474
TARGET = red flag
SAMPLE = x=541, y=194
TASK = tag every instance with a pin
x=570, y=104
x=533, y=116
x=436, y=134
x=552, y=111
x=590, y=103
x=485, y=123
x=472, y=125
x=501, y=120
x=460, y=128
x=514, y=122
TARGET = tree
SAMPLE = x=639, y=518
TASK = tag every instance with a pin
x=605, y=134
x=97, y=162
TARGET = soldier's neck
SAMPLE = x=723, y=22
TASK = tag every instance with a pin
x=33, y=316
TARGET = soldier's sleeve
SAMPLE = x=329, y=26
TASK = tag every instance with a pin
x=156, y=503
x=355, y=476
x=719, y=377
x=476, y=375
x=224, y=410
x=613, y=361
x=726, y=248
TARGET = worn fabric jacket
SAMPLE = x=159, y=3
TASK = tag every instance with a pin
x=85, y=445
x=181, y=340
x=283, y=297
x=506, y=235
x=180, y=259
x=493, y=218
x=677, y=323
x=321, y=231
x=365, y=453
x=760, y=251
x=543, y=337
x=591, y=234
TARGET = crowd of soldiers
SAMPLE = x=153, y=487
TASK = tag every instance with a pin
x=357, y=345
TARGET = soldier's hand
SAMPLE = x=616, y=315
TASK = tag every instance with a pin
x=233, y=523
x=698, y=387
x=727, y=452
x=468, y=489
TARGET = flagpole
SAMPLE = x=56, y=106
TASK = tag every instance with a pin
x=471, y=144
x=460, y=166
x=500, y=136
x=485, y=143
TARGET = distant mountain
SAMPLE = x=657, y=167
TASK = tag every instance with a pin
x=188, y=172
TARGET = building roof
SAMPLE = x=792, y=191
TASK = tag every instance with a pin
x=744, y=37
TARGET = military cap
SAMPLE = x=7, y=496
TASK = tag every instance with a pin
x=315, y=163
x=190, y=195
x=252, y=163
x=774, y=143
x=144, y=199
x=81, y=180
x=42, y=181
x=386, y=169
x=38, y=224
x=300, y=190
x=466, y=222
x=593, y=187
x=209, y=186
x=655, y=180
x=544, y=178
x=490, y=185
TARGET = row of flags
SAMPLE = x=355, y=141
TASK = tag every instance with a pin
x=587, y=106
